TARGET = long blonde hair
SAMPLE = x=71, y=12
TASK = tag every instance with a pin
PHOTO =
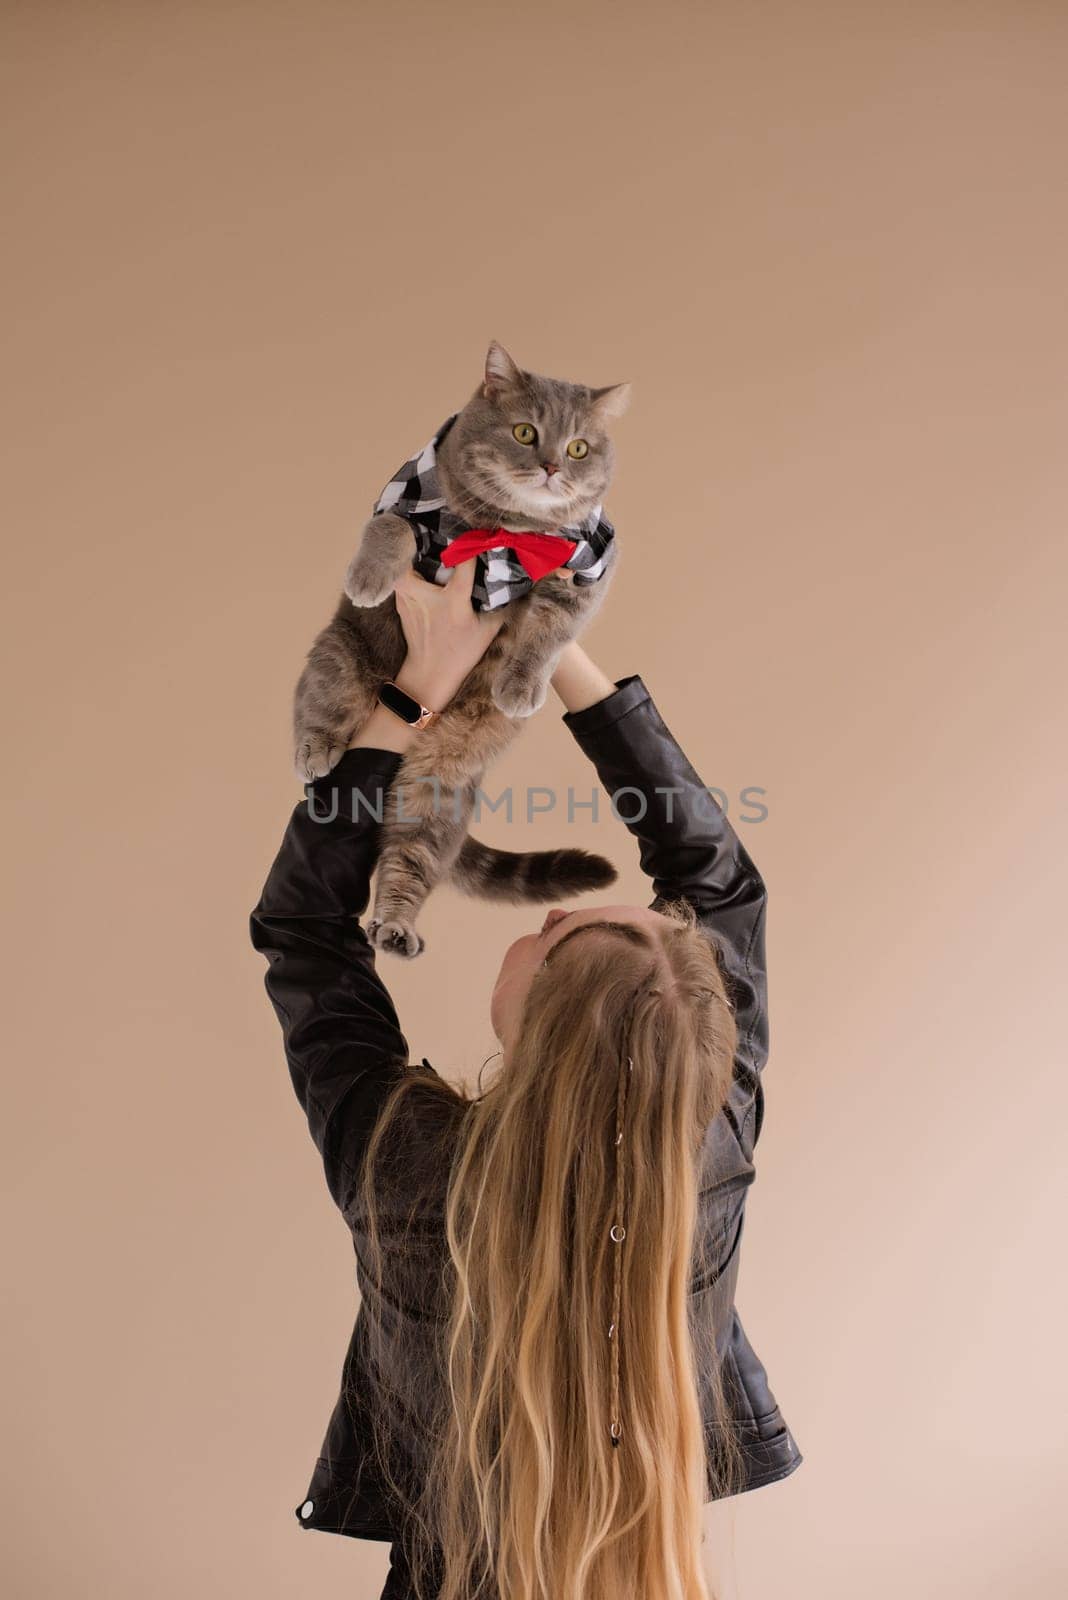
x=563, y=1321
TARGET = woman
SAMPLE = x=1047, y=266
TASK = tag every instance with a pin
x=547, y=1377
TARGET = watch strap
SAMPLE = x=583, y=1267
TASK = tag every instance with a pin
x=405, y=706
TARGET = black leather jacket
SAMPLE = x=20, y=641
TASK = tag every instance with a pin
x=344, y=1048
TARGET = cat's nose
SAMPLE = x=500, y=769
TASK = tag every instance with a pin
x=550, y=467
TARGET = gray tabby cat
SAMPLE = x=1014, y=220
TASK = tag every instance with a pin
x=504, y=462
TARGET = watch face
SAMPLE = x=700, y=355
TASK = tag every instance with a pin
x=403, y=704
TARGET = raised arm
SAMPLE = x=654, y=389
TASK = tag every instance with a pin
x=687, y=847
x=340, y=1032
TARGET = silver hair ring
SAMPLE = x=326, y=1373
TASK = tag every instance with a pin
x=618, y=1232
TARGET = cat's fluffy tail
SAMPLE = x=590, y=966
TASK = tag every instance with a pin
x=518, y=875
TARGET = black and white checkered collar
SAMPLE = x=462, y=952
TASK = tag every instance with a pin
x=414, y=493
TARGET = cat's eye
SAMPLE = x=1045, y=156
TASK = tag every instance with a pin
x=577, y=449
x=525, y=432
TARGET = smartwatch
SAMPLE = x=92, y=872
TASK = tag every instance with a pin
x=403, y=706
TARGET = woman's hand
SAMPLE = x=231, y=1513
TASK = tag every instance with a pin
x=445, y=636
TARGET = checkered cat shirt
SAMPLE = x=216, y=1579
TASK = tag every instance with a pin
x=414, y=493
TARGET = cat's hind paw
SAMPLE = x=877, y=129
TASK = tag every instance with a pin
x=399, y=938
x=520, y=694
x=316, y=755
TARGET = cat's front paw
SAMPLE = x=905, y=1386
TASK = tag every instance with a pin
x=317, y=754
x=399, y=938
x=520, y=694
x=368, y=583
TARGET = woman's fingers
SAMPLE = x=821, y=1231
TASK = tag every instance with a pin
x=459, y=592
x=460, y=586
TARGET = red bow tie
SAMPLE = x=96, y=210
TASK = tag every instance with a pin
x=538, y=553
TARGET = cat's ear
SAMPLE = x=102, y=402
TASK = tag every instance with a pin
x=502, y=374
x=611, y=402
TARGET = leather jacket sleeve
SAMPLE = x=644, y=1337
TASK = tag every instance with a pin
x=342, y=1040
x=690, y=851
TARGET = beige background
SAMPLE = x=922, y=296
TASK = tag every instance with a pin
x=255, y=253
